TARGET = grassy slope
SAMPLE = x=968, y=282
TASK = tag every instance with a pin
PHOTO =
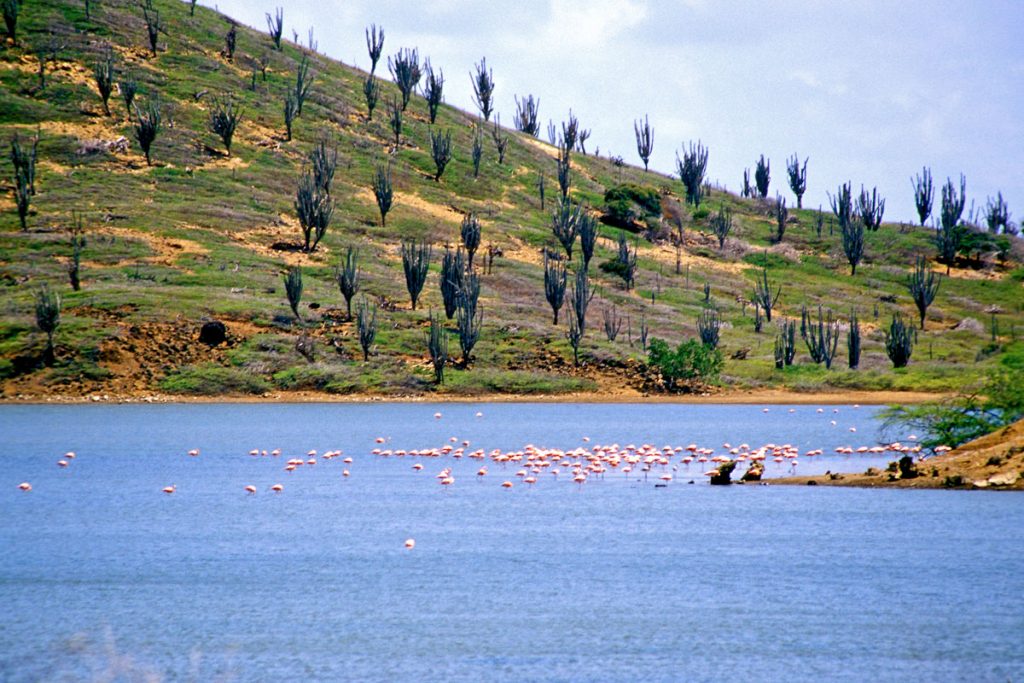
x=191, y=238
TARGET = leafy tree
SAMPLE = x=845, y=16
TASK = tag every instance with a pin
x=689, y=366
x=998, y=402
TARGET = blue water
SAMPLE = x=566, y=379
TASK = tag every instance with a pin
x=103, y=577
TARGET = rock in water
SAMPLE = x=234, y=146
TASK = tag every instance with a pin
x=213, y=333
x=754, y=472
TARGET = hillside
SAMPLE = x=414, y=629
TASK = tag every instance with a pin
x=202, y=235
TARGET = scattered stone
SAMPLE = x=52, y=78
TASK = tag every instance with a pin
x=1004, y=479
x=213, y=333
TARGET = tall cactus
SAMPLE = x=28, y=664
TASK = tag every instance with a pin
x=709, y=325
x=587, y=230
x=899, y=341
x=721, y=224
x=453, y=279
x=797, y=178
x=923, y=285
x=470, y=233
x=565, y=224
x=366, y=326
x=374, y=45
x=293, y=289
x=441, y=151
x=383, y=191
x=762, y=176
x=644, y=140
x=416, y=264
x=692, y=168
x=275, y=27
x=924, y=193
x=483, y=89
x=564, y=168
x=950, y=232
x=853, y=341
x=527, y=115
x=405, y=69
x=853, y=241
x=763, y=294
x=433, y=90
x=554, y=285
x=821, y=337
x=437, y=346
x=347, y=277
x=785, y=344
x=870, y=208
x=781, y=216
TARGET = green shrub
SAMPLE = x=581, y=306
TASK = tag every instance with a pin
x=691, y=365
x=213, y=380
x=625, y=205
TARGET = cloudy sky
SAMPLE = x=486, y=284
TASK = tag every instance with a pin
x=870, y=91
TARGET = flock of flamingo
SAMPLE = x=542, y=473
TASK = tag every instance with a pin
x=530, y=464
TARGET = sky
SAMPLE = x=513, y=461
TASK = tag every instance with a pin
x=869, y=91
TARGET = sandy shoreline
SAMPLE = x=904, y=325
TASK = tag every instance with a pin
x=753, y=397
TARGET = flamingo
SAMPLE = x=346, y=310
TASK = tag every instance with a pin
x=194, y=452
x=170, y=489
x=62, y=463
x=437, y=416
x=25, y=486
x=410, y=543
x=345, y=473
x=70, y=455
x=417, y=467
x=504, y=485
x=277, y=488
x=250, y=489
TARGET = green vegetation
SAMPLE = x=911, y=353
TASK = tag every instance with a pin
x=998, y=402
x=175, y=232
x=689, y=367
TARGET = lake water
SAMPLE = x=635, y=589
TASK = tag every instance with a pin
x=104, y=577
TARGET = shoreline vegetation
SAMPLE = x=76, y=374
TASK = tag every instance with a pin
x=992, y=462
x=732, y=397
